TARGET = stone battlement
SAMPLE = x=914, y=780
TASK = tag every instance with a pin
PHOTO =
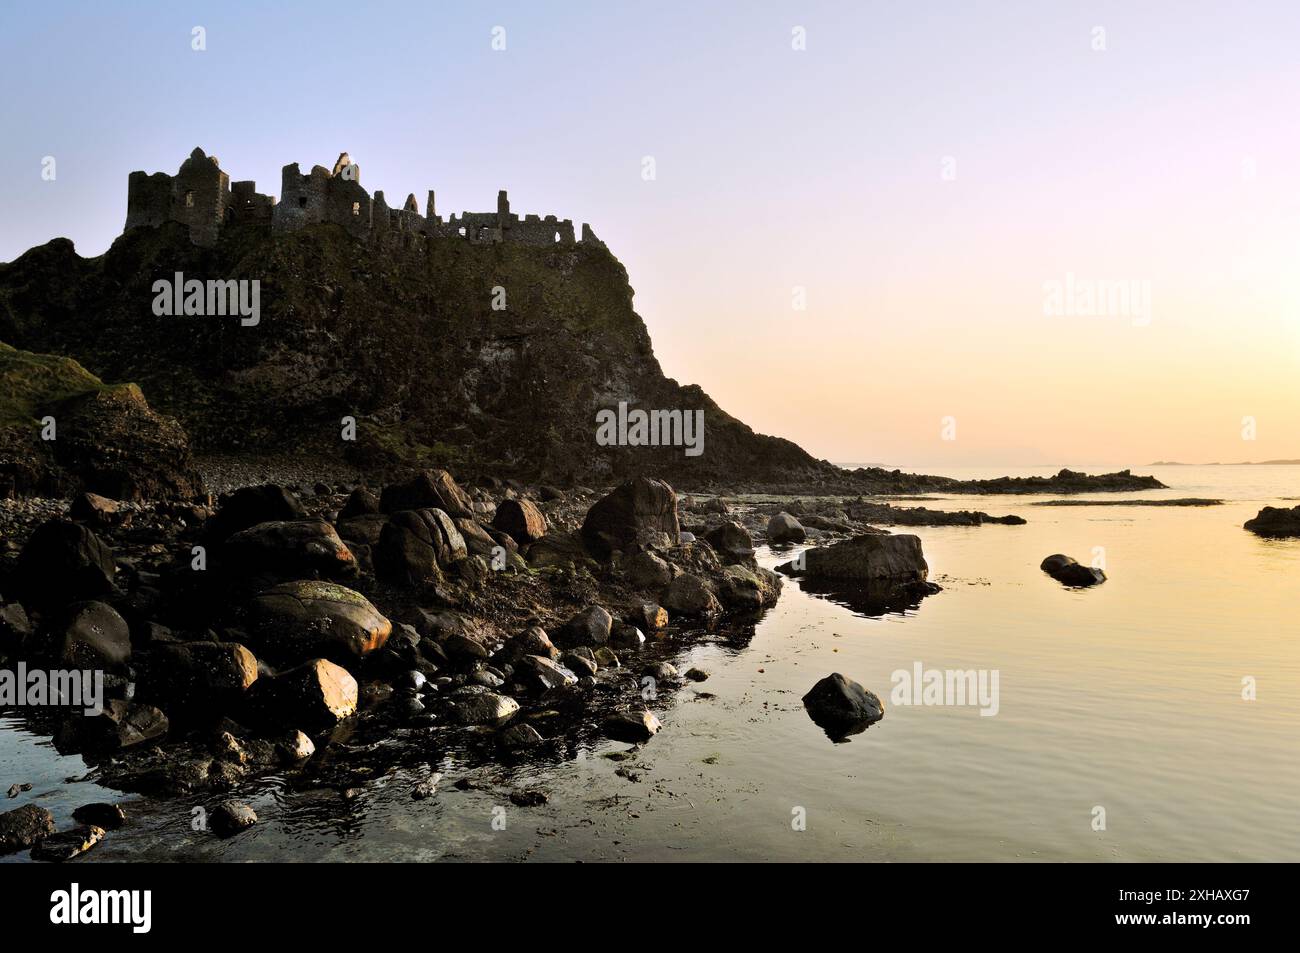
x=202, y=197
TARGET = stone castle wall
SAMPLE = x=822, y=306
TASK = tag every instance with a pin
x=201, y=197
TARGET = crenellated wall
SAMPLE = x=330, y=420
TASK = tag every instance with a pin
x=200, y=196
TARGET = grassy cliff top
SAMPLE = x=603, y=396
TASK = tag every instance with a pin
x=31, y=381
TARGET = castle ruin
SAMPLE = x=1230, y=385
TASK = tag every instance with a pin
x=202, y=197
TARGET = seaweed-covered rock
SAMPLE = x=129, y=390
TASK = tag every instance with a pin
x=107, y=439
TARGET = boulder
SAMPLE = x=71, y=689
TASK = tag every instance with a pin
x=360, y=502
x=93, y=509
x=590, y=627
x=415, y=544
x=100, y=814
x=690, y=595
x=478, y=541
x=747, y=588
x=532, y=641
x=578, y=663
x=521, y=519
x=15, y=629
x=1274, y=521
x=432, y=489
x=641, y=511
x=483, y=708
x=519, y=736
x=842, y=707
x=362, y=530
x=894, y=560
x=651, y=616
x=64, y=562
x=1066, y=570
x=645, y=571
x=23, y=827
x=784, y=528
x=623, y=635
x=312, y=697
x=732, y=543
x=251, y=505
x=66, y=845
x=93, y=636
x=122, y=724
x=289, y=549
x=230, y=817
x=632, y=727
x=559, y=550
x=541, y=674
x=200, y=675
x=311, y=619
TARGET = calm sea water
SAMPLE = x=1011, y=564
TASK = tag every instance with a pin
x=1126, y=697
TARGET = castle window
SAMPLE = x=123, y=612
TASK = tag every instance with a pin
x=356, y=208
x=302, y=201
x=189, y=200
x=557, y=236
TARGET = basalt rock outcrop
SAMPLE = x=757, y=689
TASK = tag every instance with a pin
x=1275, y=521
x=397, y=332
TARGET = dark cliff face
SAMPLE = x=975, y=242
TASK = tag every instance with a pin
x=401, y=336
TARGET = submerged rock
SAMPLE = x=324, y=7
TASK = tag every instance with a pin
x=841, y=707
x=1066, y=570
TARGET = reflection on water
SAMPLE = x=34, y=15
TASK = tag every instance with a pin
x=1127, y=696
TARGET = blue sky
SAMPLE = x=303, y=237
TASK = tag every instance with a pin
x=775, y=168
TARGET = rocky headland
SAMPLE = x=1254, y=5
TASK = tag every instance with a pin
x=377, y=519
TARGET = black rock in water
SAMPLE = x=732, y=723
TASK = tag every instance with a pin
x=1069, y=572
x=841, y=707
x=1275, y=522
